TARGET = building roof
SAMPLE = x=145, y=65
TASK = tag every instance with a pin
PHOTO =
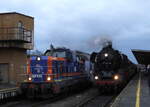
x=16, y=13
x=142, y=56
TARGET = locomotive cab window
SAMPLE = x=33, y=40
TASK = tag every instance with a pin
x=59, y=54
x=56, y=53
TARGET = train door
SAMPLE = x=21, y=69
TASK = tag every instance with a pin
x=55, y=66
x=70, y=62
x=4, y=73
x=60, y=69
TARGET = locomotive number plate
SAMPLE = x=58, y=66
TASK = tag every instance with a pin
x=36, y=76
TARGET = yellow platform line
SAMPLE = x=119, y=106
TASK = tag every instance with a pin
x=138, y=92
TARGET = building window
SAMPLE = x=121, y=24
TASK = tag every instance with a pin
x=4, y=73
x=20, y=24
x=20, y=30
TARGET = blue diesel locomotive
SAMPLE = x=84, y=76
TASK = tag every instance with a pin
x=59, y=70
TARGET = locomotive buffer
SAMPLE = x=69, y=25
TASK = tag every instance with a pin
x=137, y=92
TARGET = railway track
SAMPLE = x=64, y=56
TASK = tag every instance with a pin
x=31, y=102
x=40, y=103
x=88, y=98
x=98, y=101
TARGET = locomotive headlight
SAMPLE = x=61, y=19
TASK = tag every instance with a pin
x=96, y=77
x=48, y=78
x=29, y=78
x=116, y=77
x=106, y=54
x=38, y=58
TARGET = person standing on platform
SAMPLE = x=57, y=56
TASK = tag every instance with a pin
x=148, y=71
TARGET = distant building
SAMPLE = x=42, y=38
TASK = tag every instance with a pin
x=16, y=37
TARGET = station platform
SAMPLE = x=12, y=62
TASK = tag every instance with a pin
x=135, y=94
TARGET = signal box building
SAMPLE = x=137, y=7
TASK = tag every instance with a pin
x=16, y=37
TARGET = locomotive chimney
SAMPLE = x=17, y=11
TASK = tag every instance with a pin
x=107, y=44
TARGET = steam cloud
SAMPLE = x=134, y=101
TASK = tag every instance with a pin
x=98, y=42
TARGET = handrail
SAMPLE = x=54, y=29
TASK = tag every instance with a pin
x=9, y=90
x=15, y=33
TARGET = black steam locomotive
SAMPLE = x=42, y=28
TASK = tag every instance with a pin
x=112, y=69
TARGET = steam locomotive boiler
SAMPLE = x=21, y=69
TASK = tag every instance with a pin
x=112, y=69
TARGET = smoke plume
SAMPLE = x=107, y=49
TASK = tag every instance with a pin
x=98, y=42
